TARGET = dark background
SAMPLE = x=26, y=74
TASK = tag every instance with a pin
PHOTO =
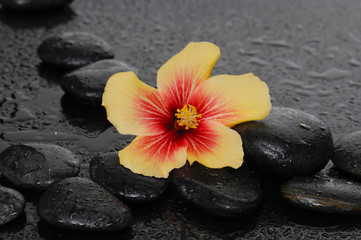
x=308, y=52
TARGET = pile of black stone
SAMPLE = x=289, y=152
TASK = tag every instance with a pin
x=289, y=145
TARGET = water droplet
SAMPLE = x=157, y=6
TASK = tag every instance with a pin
x=304, y=126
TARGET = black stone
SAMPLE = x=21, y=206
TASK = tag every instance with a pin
x=81, y=204
x=123, y=183
x=33, y=5
x=87, y=83
x=286, y=143
x=36, y=166
x=221, y=192
x=74, y=49
x=12, y=203
x=324, y=194
x=347, y=154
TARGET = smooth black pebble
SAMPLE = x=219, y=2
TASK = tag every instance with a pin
x=33, y=5
x=123, y=183
x=35, y=166
x=81, y=204
x=12, y=203
x=87, y=84
x=347, y=154
x=324, y=194
x=286, y=143
x=74, y=49
x=221, y=192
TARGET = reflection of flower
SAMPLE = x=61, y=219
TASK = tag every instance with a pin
x=188, y=117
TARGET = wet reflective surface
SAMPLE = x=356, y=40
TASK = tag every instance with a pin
x=308, y=53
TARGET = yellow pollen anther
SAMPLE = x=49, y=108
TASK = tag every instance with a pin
x=187, y=116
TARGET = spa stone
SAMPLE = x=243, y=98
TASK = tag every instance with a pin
x=221, y=192
x=74, y=49
x=36, y=166
x=81, y=204
x=286, y=143
x=347, y=154
x=87, y=84
x=12, y=204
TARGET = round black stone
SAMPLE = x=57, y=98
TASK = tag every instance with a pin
x=324, y=194
x=12, y=203
x=123, y=183
x=74, y=49
x=33, y=5
x=286, y=143
x=347, y=154
x=36, y=166
x=81, y=204
x=221, y=192
x=87, y=84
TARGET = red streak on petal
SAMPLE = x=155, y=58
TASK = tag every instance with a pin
x=160, y=148
x=177, y=93
x=212, y=107
x=150, y=111
x=202, y=140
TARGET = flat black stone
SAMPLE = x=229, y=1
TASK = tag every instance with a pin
x=87, y=84
x=123, y=183
x=286, y=143
x=323, y=194
x=81, y=204
x=74, y=49
x=37, y=166
x=221, y=192
x=12, y=203
x=33, y=5
x=347, y=154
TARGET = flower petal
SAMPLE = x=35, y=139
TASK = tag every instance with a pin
x=155, y=155
x=179, y=76
x=215, y=146
x=231, y=99
x=134, y=107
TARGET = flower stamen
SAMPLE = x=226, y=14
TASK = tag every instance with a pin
x=187, y=116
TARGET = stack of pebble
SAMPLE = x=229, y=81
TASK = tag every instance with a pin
x=289, y=145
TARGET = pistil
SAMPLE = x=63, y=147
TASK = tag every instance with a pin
x=188, y=117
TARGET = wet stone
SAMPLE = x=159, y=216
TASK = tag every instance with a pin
x=123, y=183
x=87, y=84
x=12, y=203
x=33, y=5
x=36, y=166
x=81, y=204
x=220, y=192
x=74, y=49
x=323, y=194
x=286, y=143
x=347, y=154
